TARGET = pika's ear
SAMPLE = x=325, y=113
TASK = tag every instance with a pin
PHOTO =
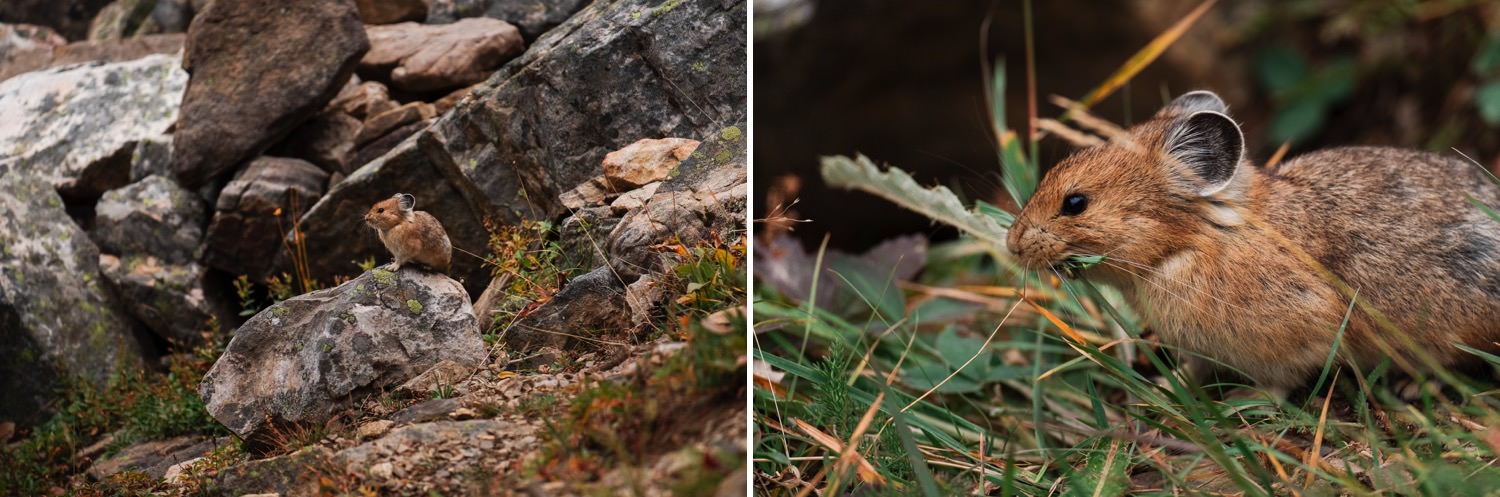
x=407, y=201
x=1209, y=145
x=1194, y=101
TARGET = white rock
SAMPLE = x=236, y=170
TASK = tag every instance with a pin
x=67, y=121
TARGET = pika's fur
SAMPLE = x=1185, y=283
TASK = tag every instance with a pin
x=1256, y=268
x=410, y=235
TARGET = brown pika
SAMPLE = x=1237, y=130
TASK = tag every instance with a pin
x=1256, y=268
x=411, y=235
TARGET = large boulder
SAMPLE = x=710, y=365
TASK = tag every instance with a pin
x=421, y=58
x=76, y=126
x=149, y=232
x=153, y=217
x=168, y=298
x=255, y=211
x=259, y=69
x=57, y=319
x=534, y=17
x=303, y=359
x=612, y=74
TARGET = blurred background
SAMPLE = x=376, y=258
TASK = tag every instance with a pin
x=903, y=82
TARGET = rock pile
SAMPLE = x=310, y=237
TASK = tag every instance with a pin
x=152, y=156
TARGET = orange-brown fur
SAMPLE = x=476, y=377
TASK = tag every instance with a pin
x=1259, y=275
x=410, y=235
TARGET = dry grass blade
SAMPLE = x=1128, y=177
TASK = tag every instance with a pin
x=1072, y=136
x=1091, y=122
x=1276, y=157
x=833, y=444
x=1313, y=459
x=1058, y=322
x=1143, y=58
x=867, y=472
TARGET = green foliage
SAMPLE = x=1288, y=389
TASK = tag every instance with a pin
x=1303, y=96
x=531, y=260
x=134, y=405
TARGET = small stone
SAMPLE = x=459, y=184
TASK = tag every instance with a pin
x=646, y=161
x=173, y=476
x=382, y=471
x=634, y=199
x=375, y=428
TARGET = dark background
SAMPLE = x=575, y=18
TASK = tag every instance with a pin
x=902, y=82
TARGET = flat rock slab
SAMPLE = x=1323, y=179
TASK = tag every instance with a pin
x=259, y=69
x=76, y=126
x=533, y=17
x=303, y=359
x=422, y=58
x=154, y=457
x=57, y=319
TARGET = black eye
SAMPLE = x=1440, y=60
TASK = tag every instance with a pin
x=380, y=210
x=1074, y=204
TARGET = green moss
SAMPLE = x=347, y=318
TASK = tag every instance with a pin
x=348, y=318
x=700, y=66
x=731, y=133
x=414, y=306
x=723, y=156
x=280, y=311
x=665, y=7
x=383, y=277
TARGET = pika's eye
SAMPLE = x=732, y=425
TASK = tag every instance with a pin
x=1074, y=204
x=380, y=210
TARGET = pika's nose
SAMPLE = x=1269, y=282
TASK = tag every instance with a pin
x=1013, y=239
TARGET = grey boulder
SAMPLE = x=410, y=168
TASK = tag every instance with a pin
x=153, y=217
x=57, y=319
x=77, y=126
x=302, y=360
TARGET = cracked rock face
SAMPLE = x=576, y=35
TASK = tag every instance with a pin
x=57, y=319
x=305, y=358
x=77, y=126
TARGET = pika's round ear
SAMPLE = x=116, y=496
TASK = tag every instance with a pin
x=1194, y=101
x=407, y=201
x=1209, y=145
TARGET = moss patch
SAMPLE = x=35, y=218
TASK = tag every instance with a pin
x=414, y=306
x=383, y=277
x=731, y=133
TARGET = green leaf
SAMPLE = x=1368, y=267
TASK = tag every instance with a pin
x=895, y=185
x=1105, y=470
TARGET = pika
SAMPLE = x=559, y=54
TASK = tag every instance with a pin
x=410, y=235
x=1257, y=268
